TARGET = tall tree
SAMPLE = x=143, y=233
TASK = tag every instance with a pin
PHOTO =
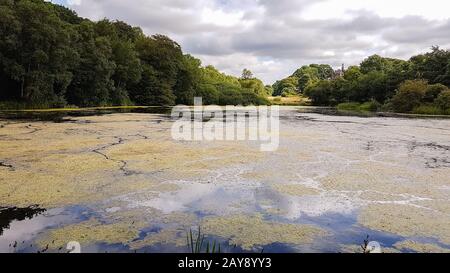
x=433, y=66
x=92, y=83
x=246, y=74
x=35, y=51
x=189, y=77
x=163, y=59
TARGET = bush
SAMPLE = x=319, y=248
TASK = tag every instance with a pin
x=427, y=110
x=251, y=98
x=433, y=91
x=277, y=99
x=349, y=106
x=370, y=106
x=208, y=93
x=409, y=95
x=320, y=93
x=443, y=100
x=289, y=92
x=230, y=97
x=22, y=105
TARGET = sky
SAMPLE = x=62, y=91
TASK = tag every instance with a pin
x=273, y=38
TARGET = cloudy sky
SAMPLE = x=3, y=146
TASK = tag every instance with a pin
x=274, y=37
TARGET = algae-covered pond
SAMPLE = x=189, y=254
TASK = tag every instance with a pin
x=116, y=181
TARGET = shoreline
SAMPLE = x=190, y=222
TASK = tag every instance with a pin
x=326, y=110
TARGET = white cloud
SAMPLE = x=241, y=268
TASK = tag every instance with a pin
x=74, y=2
x=273, y=38
x=431, y=9
x=221, y=18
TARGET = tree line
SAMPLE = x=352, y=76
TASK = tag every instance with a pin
x=418, y=85
x=51, y=57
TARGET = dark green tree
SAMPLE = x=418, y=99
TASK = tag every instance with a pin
x=92, y=83
x=321, y=93
x=433, y=66
x=189, y=77
x=35, y=52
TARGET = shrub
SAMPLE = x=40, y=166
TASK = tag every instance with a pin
x=433, y=91
x=208, y=93
x=387, y=107
x=349, y=106
x=443, y=100
x=320, y=93
x=251, y=98
x=409, y=95
x=8, y=105
x=289, y=92
x=370, y=106
x=230, y=98
x=427, y=110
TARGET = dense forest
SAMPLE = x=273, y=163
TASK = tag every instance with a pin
x=419, y=85
x=50, y=57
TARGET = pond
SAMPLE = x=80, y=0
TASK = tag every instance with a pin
x=116, y=181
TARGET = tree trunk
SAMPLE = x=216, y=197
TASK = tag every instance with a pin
x=22, y=86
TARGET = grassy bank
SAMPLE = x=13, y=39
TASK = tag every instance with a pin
x=370, y=106
x=430, y=110
x=289, y=101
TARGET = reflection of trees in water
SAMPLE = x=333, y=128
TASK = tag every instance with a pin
x=65, y=115
x=7, y=215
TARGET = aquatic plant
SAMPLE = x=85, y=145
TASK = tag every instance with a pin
x=365, y=245
x=195, y=243
x=252, y=231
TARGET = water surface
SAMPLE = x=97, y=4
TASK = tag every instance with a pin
x=116, y=181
